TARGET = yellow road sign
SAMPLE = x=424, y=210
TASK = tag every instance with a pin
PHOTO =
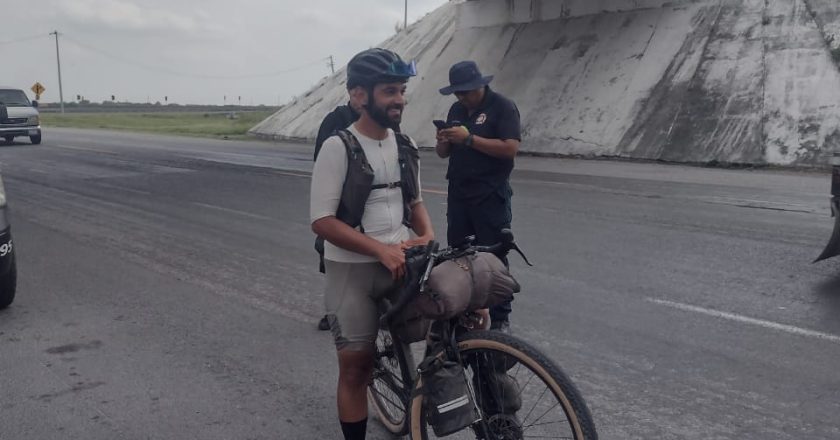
x=38, y=89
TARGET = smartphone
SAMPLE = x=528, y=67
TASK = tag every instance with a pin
x=441, y=125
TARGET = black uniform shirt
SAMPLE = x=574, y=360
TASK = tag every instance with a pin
x=472, y=174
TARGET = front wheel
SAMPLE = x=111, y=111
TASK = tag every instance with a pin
x=520, y=393
x=35, y=139
x=389, y=391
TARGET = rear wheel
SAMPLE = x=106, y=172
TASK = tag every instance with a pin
x=390, y=388
x=8, y=139
x=35, y=139
x=519, y=392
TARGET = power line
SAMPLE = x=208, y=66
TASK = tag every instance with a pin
x=186, y=74
x=23, y=39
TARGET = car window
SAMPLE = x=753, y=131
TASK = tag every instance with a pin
x=14, y=98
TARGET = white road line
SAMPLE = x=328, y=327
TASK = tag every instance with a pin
x=79, y=148
x=294, y=174
x=122, y=188
x=747, y=320
x=435, y=191
x=233, y=211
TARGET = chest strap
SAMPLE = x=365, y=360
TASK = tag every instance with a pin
x=391, y=185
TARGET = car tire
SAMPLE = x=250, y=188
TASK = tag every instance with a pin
x=35, y=139
x=8, y=284
x=9, y=139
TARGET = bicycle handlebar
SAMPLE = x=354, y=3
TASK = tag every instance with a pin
x=420, y=261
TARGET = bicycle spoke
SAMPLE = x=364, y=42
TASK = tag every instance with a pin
x=535, y=406
x=397, y=404
x=522, y=390
x=545, y=423
x=543, y=415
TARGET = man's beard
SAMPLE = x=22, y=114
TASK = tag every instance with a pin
x=381, y=117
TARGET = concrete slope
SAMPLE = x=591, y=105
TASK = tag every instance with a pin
x=734, y=81
x=423, y=41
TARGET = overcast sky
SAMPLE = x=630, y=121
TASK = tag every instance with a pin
x=193, y=51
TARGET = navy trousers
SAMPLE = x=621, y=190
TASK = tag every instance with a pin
x=484, y=219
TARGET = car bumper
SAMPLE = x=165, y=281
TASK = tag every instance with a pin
x=31, y=130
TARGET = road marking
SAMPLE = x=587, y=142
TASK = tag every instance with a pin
x=282, y=173
x=122, y=188
x=79, y=148
x=233, y=211
x=435, y=191
x=747, y=320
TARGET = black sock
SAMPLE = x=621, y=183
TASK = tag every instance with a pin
x=354, y=430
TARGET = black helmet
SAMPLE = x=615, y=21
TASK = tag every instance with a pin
x=374, y=66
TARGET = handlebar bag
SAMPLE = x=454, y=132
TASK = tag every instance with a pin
x=470, y=282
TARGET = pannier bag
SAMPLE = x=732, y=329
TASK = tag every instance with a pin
x=468, y=283
x=446, y=395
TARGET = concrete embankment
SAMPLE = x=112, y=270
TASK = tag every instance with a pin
x=729, y=81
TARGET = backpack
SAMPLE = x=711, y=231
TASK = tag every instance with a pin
x=359, y=183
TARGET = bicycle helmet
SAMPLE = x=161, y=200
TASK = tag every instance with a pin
x=374, y=66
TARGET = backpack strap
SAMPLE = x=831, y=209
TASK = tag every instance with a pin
x=355, y=156
x=351, y=145
x=387, y=185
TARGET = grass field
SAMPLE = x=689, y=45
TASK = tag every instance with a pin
x=213, y=125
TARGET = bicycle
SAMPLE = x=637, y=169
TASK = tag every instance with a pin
x=554, y=409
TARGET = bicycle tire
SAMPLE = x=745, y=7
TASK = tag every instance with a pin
x=392, y=372
x=572, y=403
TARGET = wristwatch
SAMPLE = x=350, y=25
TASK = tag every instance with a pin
x=469, y=141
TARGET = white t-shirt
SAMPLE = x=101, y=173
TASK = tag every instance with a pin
x=383, y=216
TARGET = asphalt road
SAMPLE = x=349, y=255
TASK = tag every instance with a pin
x=168, y=290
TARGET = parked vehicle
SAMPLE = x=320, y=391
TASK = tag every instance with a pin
x=18, y=116
x=8, y=266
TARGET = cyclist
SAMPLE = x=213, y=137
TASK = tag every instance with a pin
x=362, y=204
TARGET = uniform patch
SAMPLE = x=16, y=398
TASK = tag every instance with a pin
x=482, y=118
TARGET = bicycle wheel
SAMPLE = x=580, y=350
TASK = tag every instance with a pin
x=519, y=392
x=389, y=390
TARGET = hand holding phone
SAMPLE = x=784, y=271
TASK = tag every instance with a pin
x=441, y=125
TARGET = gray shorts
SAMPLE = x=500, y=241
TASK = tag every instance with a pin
x=354, y=291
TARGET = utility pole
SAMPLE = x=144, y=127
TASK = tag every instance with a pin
x=332, y=65
x=405, y=23
x=58, y=62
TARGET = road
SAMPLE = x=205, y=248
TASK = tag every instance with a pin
x=168, y=289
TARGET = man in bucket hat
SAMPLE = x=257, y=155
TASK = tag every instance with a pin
x=481, y=145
